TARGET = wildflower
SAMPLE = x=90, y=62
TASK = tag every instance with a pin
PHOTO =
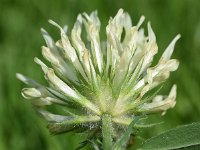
x=111, y=79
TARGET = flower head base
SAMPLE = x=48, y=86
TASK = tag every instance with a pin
x=87, y=81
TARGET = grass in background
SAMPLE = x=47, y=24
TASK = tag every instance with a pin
x=21, y=41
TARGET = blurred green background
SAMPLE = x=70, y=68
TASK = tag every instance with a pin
x=21, y=41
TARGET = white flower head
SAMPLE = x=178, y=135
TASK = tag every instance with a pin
x=89, y=80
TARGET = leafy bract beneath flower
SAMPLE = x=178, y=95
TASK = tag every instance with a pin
x=112, y=77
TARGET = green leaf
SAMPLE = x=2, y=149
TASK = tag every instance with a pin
x=121, y=143
x=179, y=137
x=138, y=126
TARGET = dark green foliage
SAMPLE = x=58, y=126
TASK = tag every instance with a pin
x=123, y=140
x=180, y=137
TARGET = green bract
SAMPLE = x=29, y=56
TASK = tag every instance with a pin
x=90, y=80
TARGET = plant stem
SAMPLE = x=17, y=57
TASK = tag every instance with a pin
x=107, y=132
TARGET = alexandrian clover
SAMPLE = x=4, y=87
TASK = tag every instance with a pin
x=92, y=79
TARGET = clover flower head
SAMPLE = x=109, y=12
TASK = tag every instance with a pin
x=89, y=78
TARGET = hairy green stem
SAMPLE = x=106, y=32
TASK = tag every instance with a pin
x=107, y=132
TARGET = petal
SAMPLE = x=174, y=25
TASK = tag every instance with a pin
x=64, y=69
x=116, y=24
x=69, y=92
x=151, y=34
x=52, y=54
x=43, y=66
x=150, y=50
x=160, y=103
x=169, y=50
x=114, y=31
x=40, y=96
x=53, y=117
x=142, y=18
x=30, y=93
x=161, y=70
x=76, y=37
x=74, y=60
x=92, y=25
x=60, y=85
x=127, y=20
x=157, y=74
x=27, y=80
x=35, y=97
x=68, y=49
x=130, y=39
x=47, y=54
x=49, y=41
